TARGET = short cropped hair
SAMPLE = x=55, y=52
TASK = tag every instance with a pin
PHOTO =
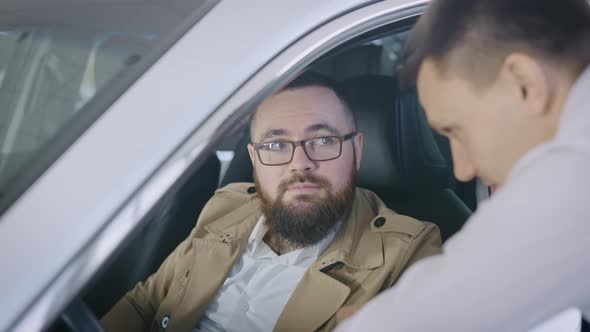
x=314, y=79
x=480, y=34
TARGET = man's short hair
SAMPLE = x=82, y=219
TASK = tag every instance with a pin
x=479, y=34
x=314, y=79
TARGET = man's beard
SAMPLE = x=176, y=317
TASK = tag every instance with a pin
x=302, y=225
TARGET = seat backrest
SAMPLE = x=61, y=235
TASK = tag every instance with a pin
x=404, y=162
x=366, y=59
x=168, y=225
x=240, y=167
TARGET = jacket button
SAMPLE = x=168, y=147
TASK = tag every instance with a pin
x=165, y=321
x=251, y=190
x=379, y=222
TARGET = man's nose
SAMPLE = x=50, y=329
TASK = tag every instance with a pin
x=462, y=165
x=301, y=161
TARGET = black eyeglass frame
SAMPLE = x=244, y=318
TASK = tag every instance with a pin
x=302, y=143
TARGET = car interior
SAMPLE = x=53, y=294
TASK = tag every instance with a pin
x=407, y=164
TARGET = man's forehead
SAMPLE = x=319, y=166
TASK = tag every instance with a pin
x=430, y=72
x=300, y=108
x=312, y=98
x=436, y=85
x=426, y=84
x=436, y=93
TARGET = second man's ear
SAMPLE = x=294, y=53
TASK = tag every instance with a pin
x=531, y=81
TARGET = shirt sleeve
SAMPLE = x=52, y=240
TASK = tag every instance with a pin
x=521, y=258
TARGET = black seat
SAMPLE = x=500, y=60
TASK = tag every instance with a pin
x=366, y=59
x=169, y=224
x=404, y=162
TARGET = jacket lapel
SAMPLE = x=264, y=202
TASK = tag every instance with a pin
x=318, y=295
x=215, y=254
x=316, y=299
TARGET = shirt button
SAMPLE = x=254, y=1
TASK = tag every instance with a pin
x=251, y=190
x=379, y=222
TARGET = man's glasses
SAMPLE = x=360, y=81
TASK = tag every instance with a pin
x=317, y=149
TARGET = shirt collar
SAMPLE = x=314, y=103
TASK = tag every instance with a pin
x=574, y=118
x=256, y=238
x=258, y=248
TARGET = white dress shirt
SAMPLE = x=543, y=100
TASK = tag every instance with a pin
x=259, y=285
x=523, y=257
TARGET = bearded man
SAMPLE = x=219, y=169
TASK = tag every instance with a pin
x=285, y=253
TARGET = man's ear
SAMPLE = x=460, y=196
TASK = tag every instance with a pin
x=358, y=146
x=532, y=82
x=251, y=153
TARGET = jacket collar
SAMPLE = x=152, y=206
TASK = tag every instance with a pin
x=227, y=245
x=238, y=224
x=355, y=245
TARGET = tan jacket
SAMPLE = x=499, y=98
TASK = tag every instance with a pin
x=368, y=255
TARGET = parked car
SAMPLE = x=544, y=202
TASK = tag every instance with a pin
x=121, y=118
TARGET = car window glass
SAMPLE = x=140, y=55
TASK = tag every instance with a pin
x=54, y=60
x=48, y=76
